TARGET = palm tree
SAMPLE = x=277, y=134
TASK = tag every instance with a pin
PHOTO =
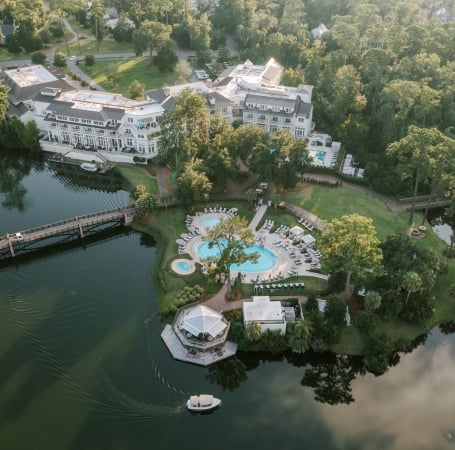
x=411, y=282
x=299, y=335
x=275, y=199
x=250, y=195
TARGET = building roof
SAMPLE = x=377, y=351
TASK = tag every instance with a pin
x=319, y=31
x=308, y=239
x=202, y=320
x=7, y=29
x=261, y=309
x=165, y=96
x=27, y=82
x=296, y=230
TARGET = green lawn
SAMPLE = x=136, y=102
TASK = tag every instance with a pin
x=136, y=175
x=130, y=70
x=329, y=203
x=88, y=47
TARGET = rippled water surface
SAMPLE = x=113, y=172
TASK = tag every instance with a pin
x=80, y=370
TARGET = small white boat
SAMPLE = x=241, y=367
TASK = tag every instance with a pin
x=202, y=402
x=89, y=167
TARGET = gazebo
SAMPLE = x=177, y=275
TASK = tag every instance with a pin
x=296, y=231
x=201, y=327
x=308, y=239
x=203, y=322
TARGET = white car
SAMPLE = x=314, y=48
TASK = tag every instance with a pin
x=18, y=237
x=72, y=58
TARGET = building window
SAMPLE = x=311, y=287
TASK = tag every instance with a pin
x=151, y=148
x=140, y=136
x=129, y=142
x=130, y=120
x=273, y=128
x=86, y=121
x=249, y=116
x=299, y=132
x=301, y=119
x=141, y=148
x=250, y=105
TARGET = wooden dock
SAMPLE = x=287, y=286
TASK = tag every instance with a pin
x=78, y=225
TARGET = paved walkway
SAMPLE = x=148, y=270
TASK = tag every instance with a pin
x=257, y=217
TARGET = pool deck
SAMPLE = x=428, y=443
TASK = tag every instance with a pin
x=285, y=264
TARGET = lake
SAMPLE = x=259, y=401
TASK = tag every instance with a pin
x=80, y=370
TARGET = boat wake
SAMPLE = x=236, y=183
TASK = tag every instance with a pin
x=118, y=402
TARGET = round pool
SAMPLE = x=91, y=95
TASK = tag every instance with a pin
x=183, y=266
x=267, y=259
x=210, y=222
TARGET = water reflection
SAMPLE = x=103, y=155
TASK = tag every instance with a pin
x=73, y=176
x=331, y=376
x=12, y=171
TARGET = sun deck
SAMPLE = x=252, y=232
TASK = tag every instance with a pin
x=181, y=353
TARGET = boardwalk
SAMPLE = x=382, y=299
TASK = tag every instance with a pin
x=75, y=225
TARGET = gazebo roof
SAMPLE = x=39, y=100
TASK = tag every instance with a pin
x=308, y=239
x=296, y=231
x=203, y=320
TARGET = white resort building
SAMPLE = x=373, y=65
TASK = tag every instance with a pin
x=87, y=120
x=116, y=128
x=267, y=314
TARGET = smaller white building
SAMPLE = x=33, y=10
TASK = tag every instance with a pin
x=267, y=314
x=319, y=31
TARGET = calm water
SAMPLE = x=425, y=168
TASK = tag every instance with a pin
x=80, y=371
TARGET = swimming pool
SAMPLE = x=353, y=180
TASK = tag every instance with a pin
x=267, y=259
x=320, y=156
x=183, y=266
x=210, y=222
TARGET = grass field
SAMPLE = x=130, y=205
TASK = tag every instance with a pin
x=329, y=203
x=136, y=175
x=130, y=70
x=88, y=47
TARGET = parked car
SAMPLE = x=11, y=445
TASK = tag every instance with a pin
x=18, y=237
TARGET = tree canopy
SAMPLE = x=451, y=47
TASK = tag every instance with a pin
x=350, y=245
x=231, y=237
